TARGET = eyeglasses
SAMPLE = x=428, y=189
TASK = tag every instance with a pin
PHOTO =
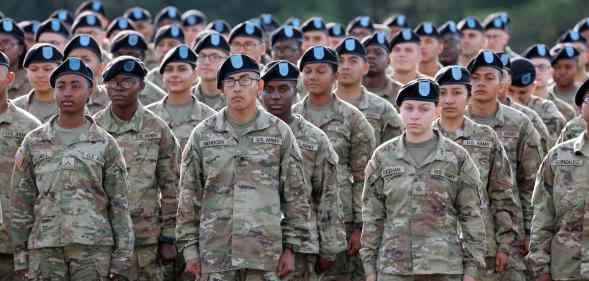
x=125, y=84
x=285, y=51
x=7, y=45
x=246, y=46
x=243, y=81
x=214, y=58
x=542, y=67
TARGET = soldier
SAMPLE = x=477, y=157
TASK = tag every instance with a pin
x=212, y=50
x=572, y=129
x=353, y=139
x=94, y=6
x=335, y=34
x=167, y=38
x=519, y=138
x=496, y=31
x=12, y=44
x=396, y=23
x=15, y=123
x=430, y=47
x=315, y=33
x=248, y=39
x=53, y=31
x=69, y=214
x=540, y=58
x=353, y=66
x=286, y=44
x=89, y=23
x=180, y=109
x=421, y=195
x=451, y=43
x=244, y=201
x=558, y=236
x=29, y=28
x=564, y=62
x=319, y=161
x=39, y=62
x=118, y=25
x=65, y=16
x=574, y=38
x=376, y=80
x=360, y=27
x=169, y=15
x=472, y=39
x=152, y=155
x=405, y=56
x=193, y=22
x=141, y=18
x=498, y=203
x=269, y=24
x=220, y=26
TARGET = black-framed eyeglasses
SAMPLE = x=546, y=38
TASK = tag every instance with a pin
x=243, y=81
x=125, y=84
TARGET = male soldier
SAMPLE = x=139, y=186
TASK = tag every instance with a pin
x=498, y=203
x=540, y=58
x=53, y=31
x=286, y=44
x=335, y=34
x=319, y=161
x=564, y=62
x=420, y=206
x=244, y=201
x=167, y=38
x=180, y=109
x=69, y=215
x=572, y=129
x=193, y=22
x=559, y=236
x=152, y=155
x=496, y=31
x=15, y=123
x=353, y=66
x=376, y=80
x=451, y=43
x=94, y=6
x=39, y=62
x=360, y=27
x=519, y=138
x=405, y=56
x=269, y=24
x=430, y=48
x=64, y=15
x=248, y=39
x=352, y=137
x=169, y=15
x=396, y=23
x=29, y=27
x=212, y=50
x=574, y=38
x=141, y=18
x=472, y=39
x=117, y=26
x=314, y=33
x=220, y=26
x=89, y=23
x=12, y=44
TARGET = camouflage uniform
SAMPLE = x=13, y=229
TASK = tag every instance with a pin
x=549, y=113
x=152, y=156
x=558, y=243
x=151, y=93
x=567, y=97
x=572, y=129
x=498, y=203
x=243, y=197
x=412, y=213
x=537, y=122
x=319, y=162
x=15, y=123
x=566, y=109
x=200, y=112
x=67, y=201
x=385, y=120
x=26, y=102
x=98, y=101
x=20, y=86
x=389, y=92
x=154, y=76
x=216, y=103
x=352, y=137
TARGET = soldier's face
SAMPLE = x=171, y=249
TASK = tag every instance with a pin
x=71, y=93
x=334, y=41
x=179, y=77
x=405, y=57
x=318, y=78
x=145, y=28
x=453, y=101
x=565, y=72
x=451, y=49
x=351, y=70
x=53, y=38
x=38, y=75
x=312, y=38
x=241, y=90
x=137, y=53
x=378, y=59
x=360, y=33
x=521, y=95
x=471, y=42
x=585, y=108
x=543, y=72
x=123, y=90
x=164, y=46
x=278, y=96
x=430, y=48
x=90, y=59
x=418, y=116
x=486, y=84
x=252, y=47
x=11, y=48
x=209, y=61
x=496, y=40
x=289, y=50
x=97, y=33
x=191, y=32
x=6, y=77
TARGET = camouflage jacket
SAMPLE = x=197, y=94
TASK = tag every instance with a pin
x=152, y=155
x=549, y=114
x=412, y=213
x=156, y=78
x=20, y=86
x=566, y=109
x=216, y=103
x=389, y=92
x=572, y=129
x=98, y=101
x=26, y=102
x=151, y=93
x=537, y=122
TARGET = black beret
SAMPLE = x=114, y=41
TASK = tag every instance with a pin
x=10, y=27
x=169, y=12
x=212, y=40
x=537, y=51
x=124, y=65
x=294, y=22
x=29, y=26
x=581, y=92
x=119, y=24
x=485, y=58
x=422, y=89
x=268, y=22
x=83, y=41
x=128, y=39
x=582, y=25
x=469, y=23
x=571, y=36
x=63, y=15
x=427, y=29
x=52, y=26
x=87, y=19
x=71, y=66
x=360, y=22
x=314, y=24
x=138, y=14
x=405, y=36
x=378, y=39
x=220, y=26
x=453, y=74
x=246, y=29
x=496, y=21
x=335, y=29
x=566, y=52
x=4, y=60
x=448, y=28
x=351, y=45
x=397, y=21
x=286, y=32
x=505, y=59
x=523, y=72
x=93, y=6
x=235, y=64
x=172, y=31
x=41, y=53
x=193, y=17
x=181, y=53
x=280, y=70
x=318, y=54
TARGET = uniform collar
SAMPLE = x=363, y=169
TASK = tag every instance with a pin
x=195, y=115
x=92, y=135
x=262, y=121
x=580, y=146
x=466, y=131
x=334, y=106
x=100, y=97
x=441, y=153
x=110, y=124
x=9, y=115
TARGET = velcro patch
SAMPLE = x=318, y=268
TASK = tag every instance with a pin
x=213, y=142
x=477, y=143
x=392, y=171
x=567, y=162
x=267, y=140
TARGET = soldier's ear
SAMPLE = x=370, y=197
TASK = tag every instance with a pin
x=260, y=86
x=10, y=76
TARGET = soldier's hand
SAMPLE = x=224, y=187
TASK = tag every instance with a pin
x=468, y=278
x=167, y=253
x=324, y=264
x=193, y=267
x=371, y=277
x=544, y=277
x=526, y=246
x=354, y=244
x=286, y=263
x=501, y=260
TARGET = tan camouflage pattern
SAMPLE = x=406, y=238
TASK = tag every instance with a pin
x=572, y=129
x=26, y=102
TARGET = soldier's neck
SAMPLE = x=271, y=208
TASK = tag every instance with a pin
x=565, y=87
x=375, y=80
x=541, y=92
x=320, y=99
x=70, y=121
x=405, y=77
x=45, y=96
x=349, y=92
x=483, y=108
x=209, y=87
x=179, y=98
x=3, y=103
x=124, y=113
x=465, y=59
x=451, y=125
x=429, y=67
x=419, y=138
x=242, y=116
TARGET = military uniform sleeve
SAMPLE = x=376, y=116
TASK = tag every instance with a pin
x=363, y=144
x=373, y=214
x=168, y=176
x=116, y=188
x=191, y=189
x=23, y=196
x=555, y=122
x=393, y=125
x=530, y=157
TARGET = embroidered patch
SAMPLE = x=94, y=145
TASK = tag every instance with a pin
x=567, y=162
x=267, y=140
x=213, y=142
x=392, y=171
x=477, y=143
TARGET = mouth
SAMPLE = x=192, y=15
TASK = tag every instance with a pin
x=66, y=104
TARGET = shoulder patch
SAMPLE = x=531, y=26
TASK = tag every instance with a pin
x=267, y=140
